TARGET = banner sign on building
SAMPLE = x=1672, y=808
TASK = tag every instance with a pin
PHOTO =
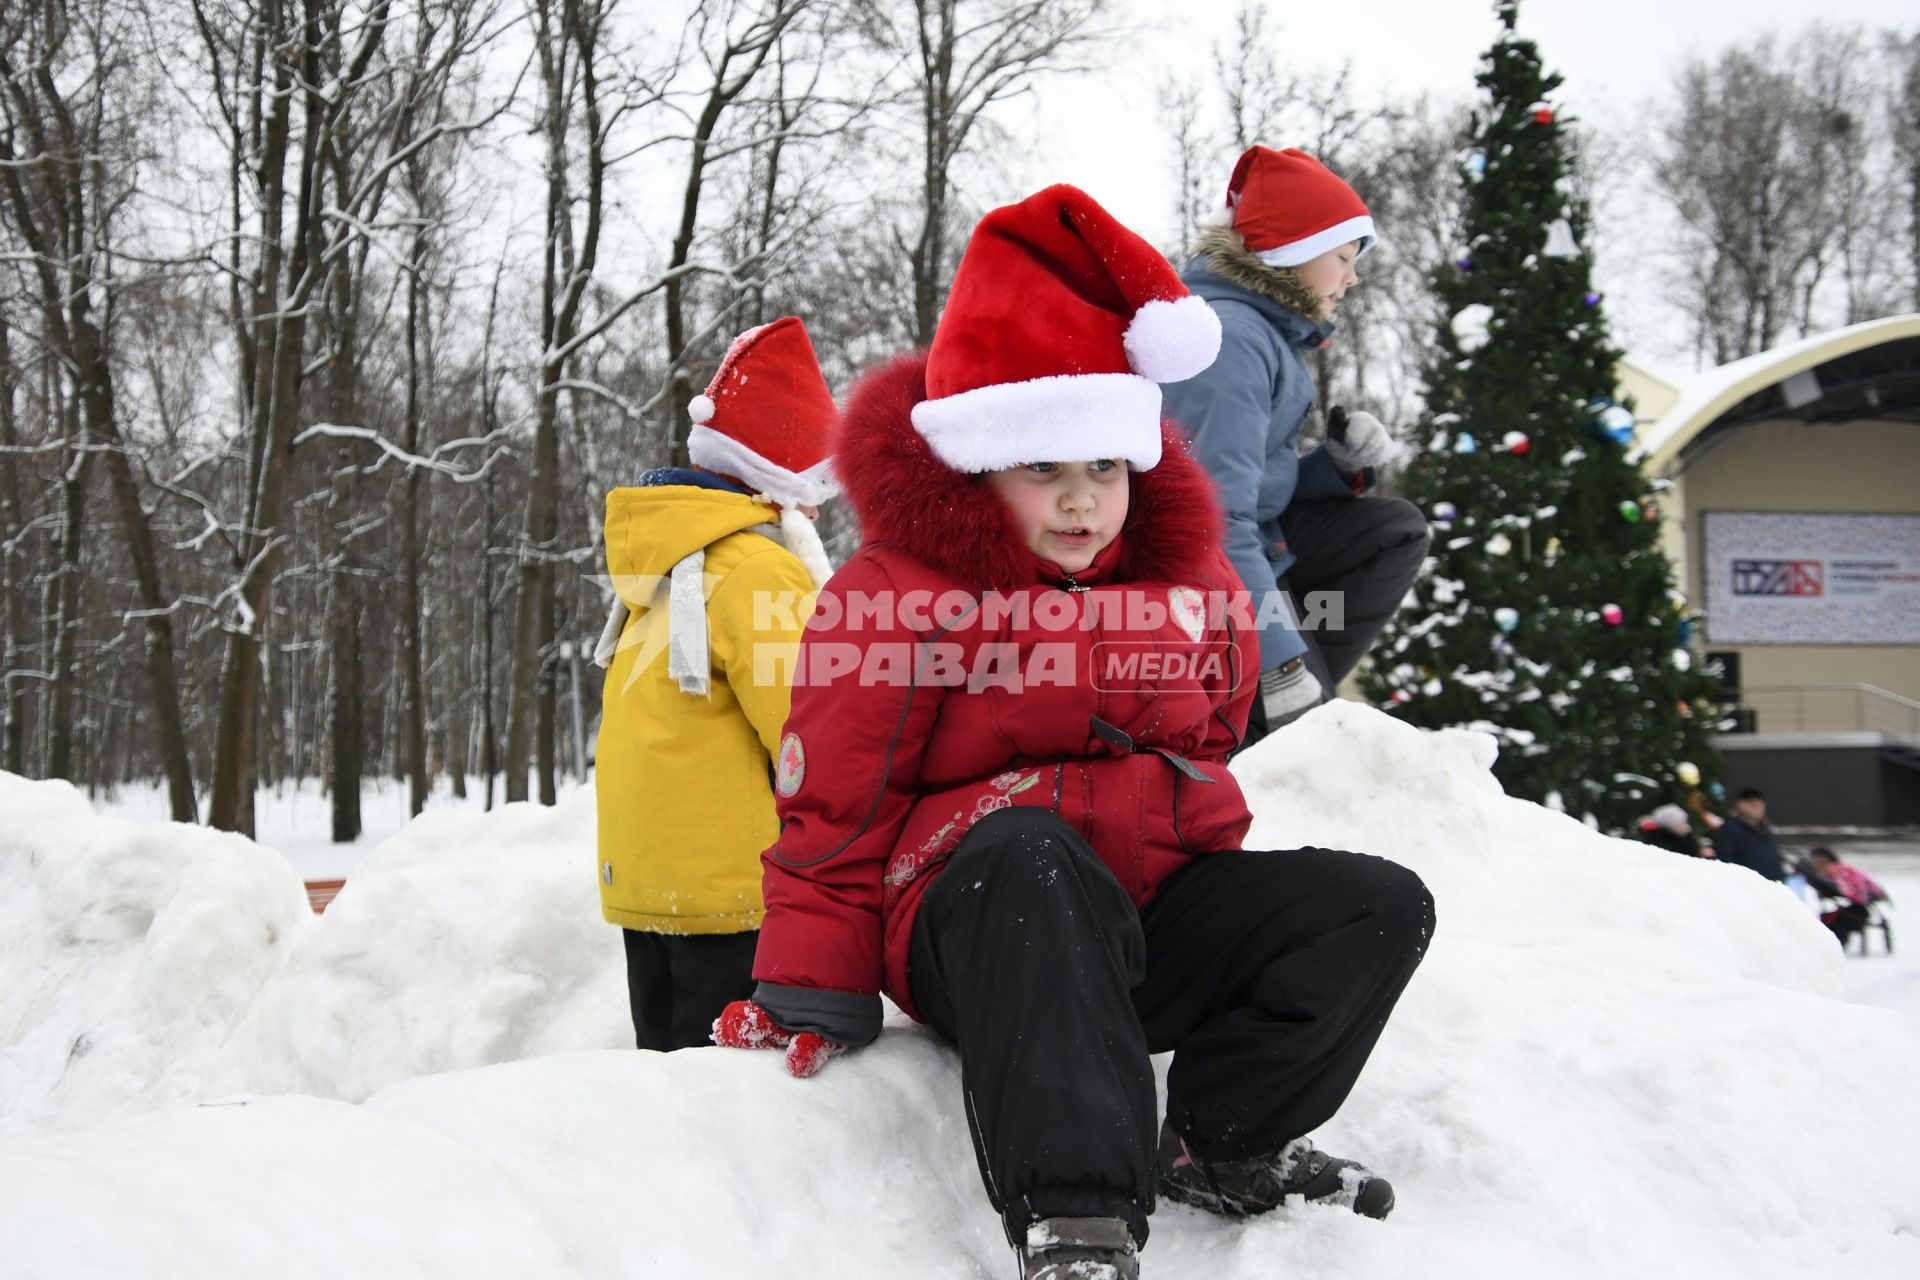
x=1812, y=578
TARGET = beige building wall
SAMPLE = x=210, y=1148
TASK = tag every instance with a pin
x=1785, y=466
x=1651, y=394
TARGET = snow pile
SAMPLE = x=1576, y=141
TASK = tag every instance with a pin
x=466, y=940
x=1615, y=1062
x=155, y=963
x=128, y=953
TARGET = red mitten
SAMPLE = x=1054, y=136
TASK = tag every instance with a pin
x=809, y=1052
x=745, y=1025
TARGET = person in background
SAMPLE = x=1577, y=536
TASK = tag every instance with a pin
x=1669, y=828
x=1857, y=890
x=1745, y=839
x=1273, y=273
x=688, y=732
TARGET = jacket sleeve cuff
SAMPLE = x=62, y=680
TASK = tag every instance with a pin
x=846, y=1017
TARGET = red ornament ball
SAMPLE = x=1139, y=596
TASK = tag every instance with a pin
x=1542, y=113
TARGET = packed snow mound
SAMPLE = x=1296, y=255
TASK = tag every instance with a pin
x=128, y=953
x=1517, y=874
x=465, y=940
x=1614, y=1062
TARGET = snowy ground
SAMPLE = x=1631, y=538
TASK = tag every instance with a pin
x=1615, y=1062
x=296, y=818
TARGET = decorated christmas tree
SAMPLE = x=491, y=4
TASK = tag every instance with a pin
x=1549, y=617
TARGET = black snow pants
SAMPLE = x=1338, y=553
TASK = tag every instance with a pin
x=677, y=984
x=1366, y=550
x=1269, y=976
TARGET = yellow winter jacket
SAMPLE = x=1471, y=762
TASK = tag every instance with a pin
x=683, y=781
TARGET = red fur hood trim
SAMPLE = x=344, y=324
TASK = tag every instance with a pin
x=906, y=498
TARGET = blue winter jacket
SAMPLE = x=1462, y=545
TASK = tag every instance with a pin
x=1245, y=413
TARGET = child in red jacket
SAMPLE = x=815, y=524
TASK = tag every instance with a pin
x=1003, y=786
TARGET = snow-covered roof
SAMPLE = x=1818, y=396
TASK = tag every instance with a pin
x=1704, y=398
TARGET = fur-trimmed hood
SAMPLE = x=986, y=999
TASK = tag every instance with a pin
x=1231, y=261
x=905, y=498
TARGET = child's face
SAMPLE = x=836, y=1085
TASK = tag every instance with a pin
x=1065, y=512
x=1332, y=273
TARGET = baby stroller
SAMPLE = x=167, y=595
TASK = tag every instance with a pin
x=1851, y=903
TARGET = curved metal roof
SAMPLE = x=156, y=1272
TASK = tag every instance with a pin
x=1869, y=370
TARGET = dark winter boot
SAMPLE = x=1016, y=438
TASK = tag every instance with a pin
x=1079, y=1249
x=1242, y=1188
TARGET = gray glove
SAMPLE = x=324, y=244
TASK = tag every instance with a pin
x=1287, y=690
x=1357, y=441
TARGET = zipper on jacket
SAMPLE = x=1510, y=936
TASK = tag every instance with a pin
x=1074, y=585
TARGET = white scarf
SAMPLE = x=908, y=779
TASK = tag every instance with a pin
x=688, y=653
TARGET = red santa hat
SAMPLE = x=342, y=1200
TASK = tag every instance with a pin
x=1060, y=327
x=1288, y=208
x=766, y=416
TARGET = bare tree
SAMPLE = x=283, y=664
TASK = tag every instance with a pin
x=13, y=571
x=1765, y=161
x=1904, y=110
x=1194, y=160
x=959, y=59
x=67, y=157
x=735, y=39
x=287, y=53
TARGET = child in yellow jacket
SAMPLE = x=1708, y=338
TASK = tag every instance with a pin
x=714, y=567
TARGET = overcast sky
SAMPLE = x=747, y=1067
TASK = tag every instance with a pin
x=1100, y=131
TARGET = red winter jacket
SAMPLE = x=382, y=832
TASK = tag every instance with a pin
x=888, y=757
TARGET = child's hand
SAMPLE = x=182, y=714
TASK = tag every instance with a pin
x=1287, y=690
x=1358, y=441
x=745, y=1025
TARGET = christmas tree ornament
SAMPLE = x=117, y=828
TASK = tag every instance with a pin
x=1506, y=619
x=1471, y=326
x=1464, y=262
x=1516, y=442
x=1474, y=161
x=1499, y=544
x=1444, y=512
x=1465, y=444
x=1618, y=422
x=1688, y=772
x=1650, y=510
x=1686, y=709
x=1401, y=697
x=1629, y=511
x=1591, y=300
x=1612, y=614
x=1553, y=550
x=1542, y=113
x=1718, y=791
x=1560, y=241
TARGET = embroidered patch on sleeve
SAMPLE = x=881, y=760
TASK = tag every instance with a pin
x=790, y=770
x=1189, y=612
